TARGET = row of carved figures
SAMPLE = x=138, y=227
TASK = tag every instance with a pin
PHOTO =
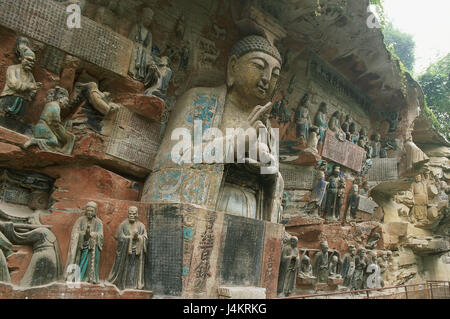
x=83, y=258
x=358, y=269
x=342, y=125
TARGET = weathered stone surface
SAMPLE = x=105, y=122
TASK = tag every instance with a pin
x=436, y=150
x=150, y=107
x=62, y=291
x=11, y=137
x=242, y=293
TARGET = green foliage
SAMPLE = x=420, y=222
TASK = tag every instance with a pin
x=435, y=82
x=402, y=44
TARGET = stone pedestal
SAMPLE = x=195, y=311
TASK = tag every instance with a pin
x=241, y=293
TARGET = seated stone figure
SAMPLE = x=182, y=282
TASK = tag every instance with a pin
x=50, y=133
x=100, y=101
x=253, y=70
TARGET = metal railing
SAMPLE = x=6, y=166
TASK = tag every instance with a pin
x=428, y=290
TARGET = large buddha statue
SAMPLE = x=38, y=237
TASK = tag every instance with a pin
x=253, y=69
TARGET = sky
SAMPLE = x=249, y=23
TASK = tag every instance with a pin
x=428, y=21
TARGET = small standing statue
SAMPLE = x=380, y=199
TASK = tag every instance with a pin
x=302, y=118
x=335, y=194
x=319, y=188
x=321, y=263
x=348, y=266
x=334, y=125
x=352, y=202
x=321, y=121
x=335, y=266
x=159, y=88
x=346, y=126
x=128, y=268
x=354, y=135
x=364, y=143
x=376, y=145
x=383, y=263
x=184, y=57
x=289, y=265
x=86, y=243
x=360, y=269
x=50, y=133
x=141, y=60
x=20, y=87
x=283, y=111
x=420, y=196
x=313, y=140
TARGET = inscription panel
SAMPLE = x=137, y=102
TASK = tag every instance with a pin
x=297, y=177
x=45, y=21
x=345, y=153
x=242, y=251
x=383, y=169
x=164, y=264
x=366, y=205
x=134, y=138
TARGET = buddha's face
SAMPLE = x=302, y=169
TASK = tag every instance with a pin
x=253, y=76
x=418, y=178
x=352, y=251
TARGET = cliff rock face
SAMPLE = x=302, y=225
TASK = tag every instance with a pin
x=331, y=56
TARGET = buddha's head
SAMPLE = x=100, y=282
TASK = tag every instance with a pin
x=253, y=70
x=147, y=17
x=352, y=250
x=324, y=246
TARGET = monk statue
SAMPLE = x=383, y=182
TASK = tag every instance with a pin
x=50, y=133
x=321, y=121
x=352, y=202
x=335, y=194
x=128, y=269
x=321, y=263
x=86, y=242
x=142, y=61
x=253, y=70
x=360, y=269
x=289, y=265
x=420, y=195
x=348, y=265
x=302, y=119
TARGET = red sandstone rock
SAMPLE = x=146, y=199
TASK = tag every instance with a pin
x=151, y=107
x=62, y=291
x=11, y=137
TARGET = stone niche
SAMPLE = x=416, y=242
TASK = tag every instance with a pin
x=193, y=251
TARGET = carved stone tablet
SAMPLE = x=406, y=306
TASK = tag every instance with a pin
x=297, y=177
x=345, y=153
x=242, y=251
x=164, y=265
x=383, y=169
x=134, y=138
x=46, y=21
x=366, y=205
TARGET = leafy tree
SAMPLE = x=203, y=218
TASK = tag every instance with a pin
x=435, y=83
x=402, y=44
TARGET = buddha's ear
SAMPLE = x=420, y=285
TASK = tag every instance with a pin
x=231, y=70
